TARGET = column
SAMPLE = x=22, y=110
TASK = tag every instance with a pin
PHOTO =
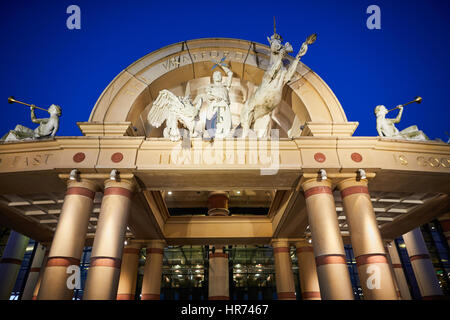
x=309, y=283
x=422, y=265
x=218, y=204
x=104, y=271
x=398, y=271
x=68, y=241
x=445, y=224
x=332, y=271
x=128, y=272
x=218, y=276
x=391, y=269
x=11, y=262
x=151, y=283
x=41, y=274
x=35, y=271
x=373, y=268
x=284, y=277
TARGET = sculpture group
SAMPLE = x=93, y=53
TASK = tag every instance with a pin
x=255, y=114
x=181, y=114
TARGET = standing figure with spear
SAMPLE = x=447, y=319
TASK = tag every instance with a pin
x=47, y=126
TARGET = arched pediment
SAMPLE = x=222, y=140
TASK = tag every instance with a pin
x=306, y=98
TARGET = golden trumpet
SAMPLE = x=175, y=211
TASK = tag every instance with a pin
x=12, y=100
x=417, y=100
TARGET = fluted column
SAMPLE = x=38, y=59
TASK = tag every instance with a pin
x=444, y=220
x=373, y=268
x=68, y=241
x=11, y=262
x=128, y=272
x=151, y=283
x=309, y=283
x=332, y=271
x=398, y=271
x=106, y=257
x=284, y=277
x=422, y=265
x=41, y=274
x=35, y=271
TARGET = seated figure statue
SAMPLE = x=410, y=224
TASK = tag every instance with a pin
x=386, y=127
x=47, y=126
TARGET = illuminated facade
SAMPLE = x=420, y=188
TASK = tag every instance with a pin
x=307, y=212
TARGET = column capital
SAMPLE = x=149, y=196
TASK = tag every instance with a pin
x=280, y=243
x=83, y=183
x=316, y=183
x=157, y=244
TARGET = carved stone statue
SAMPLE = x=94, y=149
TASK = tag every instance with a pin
x=386, y=127
x=172, y=109
x=256, y=113
x=219, y=102
x=47, y=126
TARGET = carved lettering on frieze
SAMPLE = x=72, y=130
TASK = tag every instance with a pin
x=176, y=61
x=31, y=161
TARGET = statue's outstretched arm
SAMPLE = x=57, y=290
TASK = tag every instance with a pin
x=399, y=116
x=294, y=64
x=33, y=116
x=229, y=76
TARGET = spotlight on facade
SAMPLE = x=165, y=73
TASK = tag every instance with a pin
x=323, y=174
x=114, y=175
x=169, y=192
x=73, y=175
x=362, y=174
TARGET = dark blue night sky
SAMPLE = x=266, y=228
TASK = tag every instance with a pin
x=43, y=62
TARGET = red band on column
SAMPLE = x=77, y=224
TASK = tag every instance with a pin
x=352, y=190
x=286, y=295
x=34, y=298
x=150, y=296
x=305, y=249
x=310, y=294
x=35, y=270
x=117, y=191
x=62, y=262
x=125, y=296
x=318, y=190
x=280, y=249
x=80, y=191
x=419, y=257
x=218, y=298
x=131, y=251
x=396, y=265
x=154, y=250
x=105, y=262
x=330, y=259
x=11, y=260
x=218, y=255
x=370, y=259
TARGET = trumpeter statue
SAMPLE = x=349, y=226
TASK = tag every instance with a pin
x=47, y=126
x=386, y=126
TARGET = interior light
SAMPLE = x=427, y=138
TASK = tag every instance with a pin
x=169, y=192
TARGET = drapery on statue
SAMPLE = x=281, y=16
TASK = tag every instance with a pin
x=47, y=126
x=219, y=101
x=386, y=127
x=172, y=109
x=256, y=113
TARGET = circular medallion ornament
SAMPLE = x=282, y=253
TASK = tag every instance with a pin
x=79, y=157
x=356, y=157
x=319, y=157
x=117, y=157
